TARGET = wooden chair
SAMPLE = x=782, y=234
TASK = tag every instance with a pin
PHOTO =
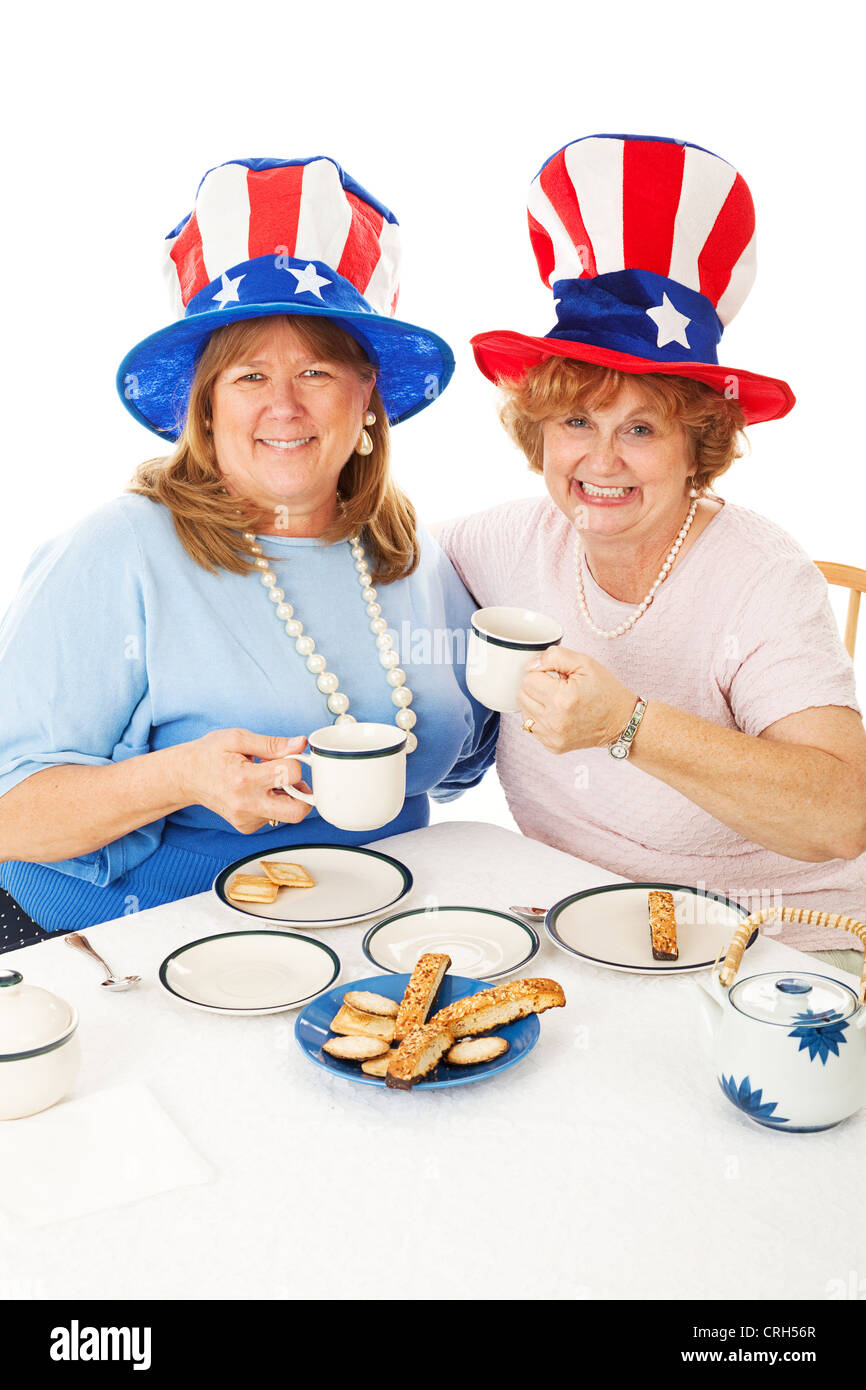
x=853, y=579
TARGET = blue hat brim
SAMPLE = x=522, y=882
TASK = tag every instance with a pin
x=414, y=366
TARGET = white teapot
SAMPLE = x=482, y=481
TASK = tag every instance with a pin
x=39, y=1053
x=790, y=1048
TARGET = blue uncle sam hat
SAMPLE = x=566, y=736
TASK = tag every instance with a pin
x=283, y=236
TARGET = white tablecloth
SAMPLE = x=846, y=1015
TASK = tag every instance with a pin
x=607, y=1165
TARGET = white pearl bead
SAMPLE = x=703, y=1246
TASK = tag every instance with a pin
x=317, y=663
x=363, y=574
x=378, y=625
x=276, y=594
x=411, y=742
x=269, y=579
x=361, y=566
x=294, y=628
x=395, y=676
x=327, y=683
x=338, y=704
x=402, y=696
x=346, y=719
x=405, y=718
x=374, y=610
x=305, y=646
x=249, y=536
x=388, y=659
x=284, y=611
x=369, y=595
x=261, y=564
x=255, y=550
x=384, y=641
x=357, y=552
x=666, y=567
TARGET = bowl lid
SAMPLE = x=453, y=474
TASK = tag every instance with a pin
x=784, y=998
x=30, y=1018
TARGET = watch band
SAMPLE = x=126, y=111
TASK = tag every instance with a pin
x=621, y=747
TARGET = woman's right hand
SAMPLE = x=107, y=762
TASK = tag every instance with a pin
x=219, y=771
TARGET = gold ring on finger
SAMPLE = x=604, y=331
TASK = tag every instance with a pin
x=528, y=724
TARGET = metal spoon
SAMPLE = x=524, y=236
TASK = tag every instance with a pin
x=111, y=981
x=532, y=915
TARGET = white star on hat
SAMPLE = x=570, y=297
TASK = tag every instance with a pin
x=308, y=279
x=228, y=291
x=670, y=322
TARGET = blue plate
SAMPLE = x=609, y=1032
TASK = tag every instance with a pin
x=313, y=1028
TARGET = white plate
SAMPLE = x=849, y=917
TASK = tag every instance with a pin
x=351, y=885
x=480, y=942
x=249, y=972
x=610, y=927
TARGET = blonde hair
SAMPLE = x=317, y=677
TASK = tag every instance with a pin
x=208, y=521
x=712, y=423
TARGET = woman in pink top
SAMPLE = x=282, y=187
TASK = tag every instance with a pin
x=698, y=724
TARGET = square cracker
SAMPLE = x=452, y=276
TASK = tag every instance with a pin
x=287, y=875
x=252, y=888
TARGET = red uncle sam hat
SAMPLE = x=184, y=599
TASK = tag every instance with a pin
x=649, y=247
x=283, y=236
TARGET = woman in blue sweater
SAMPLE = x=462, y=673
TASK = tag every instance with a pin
x=163, y=657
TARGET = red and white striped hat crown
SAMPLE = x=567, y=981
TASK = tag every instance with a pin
x=308, y=210
x=649, y=247
x=283, y=236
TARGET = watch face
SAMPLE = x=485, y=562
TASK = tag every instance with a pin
x=619, y=750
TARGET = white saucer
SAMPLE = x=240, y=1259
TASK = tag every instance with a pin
x=351, y=885
x=249, y=972
x=481, y=943
x=610, y=927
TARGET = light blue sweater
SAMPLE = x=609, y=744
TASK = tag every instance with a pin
x=118, y=644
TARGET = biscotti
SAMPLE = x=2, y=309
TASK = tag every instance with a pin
x=663, y=925
x=493, y=1008
x=421, y=992
x=417, y=1054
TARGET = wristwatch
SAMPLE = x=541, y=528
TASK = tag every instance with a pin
x=621, y=747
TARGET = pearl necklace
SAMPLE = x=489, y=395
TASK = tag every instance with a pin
x=642, y=607
x=327, y=682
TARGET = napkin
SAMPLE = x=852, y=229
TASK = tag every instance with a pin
x=81, y=1156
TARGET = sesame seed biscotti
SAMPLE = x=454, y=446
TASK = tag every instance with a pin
x=493, y=1008
x=417, y=1055
x=663, y=925
x=421, y=992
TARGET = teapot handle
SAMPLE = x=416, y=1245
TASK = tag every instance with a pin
x=731, y=963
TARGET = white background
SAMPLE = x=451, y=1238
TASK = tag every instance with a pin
x=112, y=113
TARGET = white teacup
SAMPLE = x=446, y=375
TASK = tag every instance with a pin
x=358, y=774
x=501, y=644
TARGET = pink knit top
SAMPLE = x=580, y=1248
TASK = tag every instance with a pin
x=741, y=633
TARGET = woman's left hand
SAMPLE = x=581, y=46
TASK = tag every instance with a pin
x=575, y=701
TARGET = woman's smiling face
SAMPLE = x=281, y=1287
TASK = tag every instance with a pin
x=285, y=422
x=621, y=470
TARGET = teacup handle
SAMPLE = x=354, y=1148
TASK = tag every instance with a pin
x=295, y=791
x=731, y=963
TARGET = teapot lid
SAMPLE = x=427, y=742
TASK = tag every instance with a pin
x=785, y=998
x=30, y=1018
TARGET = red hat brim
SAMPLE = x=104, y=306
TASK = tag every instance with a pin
x=504, y=356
